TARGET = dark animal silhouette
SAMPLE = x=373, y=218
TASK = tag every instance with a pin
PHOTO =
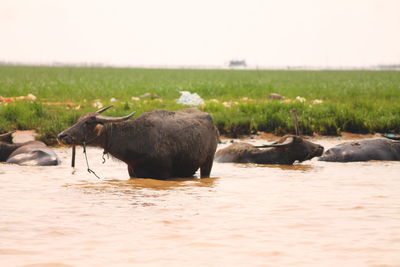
x=370, y=149
x=285, y=151
x=32, y=153
x=158, y=144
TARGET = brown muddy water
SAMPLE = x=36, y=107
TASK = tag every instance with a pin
x=310, y=214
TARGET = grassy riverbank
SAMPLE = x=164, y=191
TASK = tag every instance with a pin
x=352, y=101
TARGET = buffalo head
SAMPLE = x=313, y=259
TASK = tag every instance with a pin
x=88, y=127
x=298, y=148
x=7, y=137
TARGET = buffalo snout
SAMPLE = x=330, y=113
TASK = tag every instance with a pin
x=318, y=151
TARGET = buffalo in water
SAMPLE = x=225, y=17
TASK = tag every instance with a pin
x=31, y=153
x=287, y=150
x=371, y=149
x=158, y=144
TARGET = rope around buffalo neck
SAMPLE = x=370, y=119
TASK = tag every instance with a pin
x=107, y=145
x=87, y=162
x=105, y=152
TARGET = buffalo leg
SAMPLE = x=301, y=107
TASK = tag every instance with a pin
x=205, y=169
x=131, y=172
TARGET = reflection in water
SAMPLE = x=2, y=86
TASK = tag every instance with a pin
x=167, y=184
x=294, y=167
x=132, y=185
x=338, y=214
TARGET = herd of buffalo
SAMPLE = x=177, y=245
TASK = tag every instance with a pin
x=162, y=144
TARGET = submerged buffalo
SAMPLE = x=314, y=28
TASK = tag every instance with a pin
x=287, y=150
x=32, y=153
x=158, y=144
x=371, y=149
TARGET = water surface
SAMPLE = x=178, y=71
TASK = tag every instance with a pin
x=310, y=214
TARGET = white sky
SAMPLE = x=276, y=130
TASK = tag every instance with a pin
x=201, y=32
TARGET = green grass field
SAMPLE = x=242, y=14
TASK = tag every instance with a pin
x=353, y=101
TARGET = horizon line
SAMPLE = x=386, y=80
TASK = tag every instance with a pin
x=199, y=66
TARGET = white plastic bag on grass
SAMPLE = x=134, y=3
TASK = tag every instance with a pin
x=190, y=99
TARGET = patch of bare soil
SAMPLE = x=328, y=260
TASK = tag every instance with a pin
x=24, y=136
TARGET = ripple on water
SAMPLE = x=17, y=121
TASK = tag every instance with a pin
x=47, y=264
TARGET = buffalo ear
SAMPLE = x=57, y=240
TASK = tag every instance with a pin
x=98, y=129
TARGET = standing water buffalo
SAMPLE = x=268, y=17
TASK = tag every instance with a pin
x=285, y=151
x=158, y=144
x=371, y=149
x=32, y=153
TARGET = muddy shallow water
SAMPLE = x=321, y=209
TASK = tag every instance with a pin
x=311, y=214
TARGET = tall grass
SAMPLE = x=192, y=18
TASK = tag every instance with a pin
x=355, y=101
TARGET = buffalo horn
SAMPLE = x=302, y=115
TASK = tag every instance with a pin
x=287, y=142
x=101, y=118
x=104, y=109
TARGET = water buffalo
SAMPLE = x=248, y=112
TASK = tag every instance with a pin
x=32, y=153
x=7, y=137
x=371, y=149
x=158, y=144
x=287, y=150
